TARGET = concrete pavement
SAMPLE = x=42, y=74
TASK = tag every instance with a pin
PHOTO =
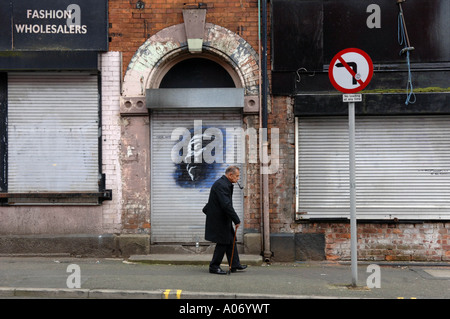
x=187, y=277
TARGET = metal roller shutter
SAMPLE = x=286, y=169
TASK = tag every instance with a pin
x=402, y=167
x=177, y=198
x=53, y=132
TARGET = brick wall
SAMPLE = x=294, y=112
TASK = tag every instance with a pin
x=426, y=241
x=131, y=27
x=282, y=184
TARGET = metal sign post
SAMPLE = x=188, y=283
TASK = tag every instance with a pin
x=351, y=99
x=353, y=227
x=350, y=71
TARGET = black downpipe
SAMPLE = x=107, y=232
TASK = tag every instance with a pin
x=3, y=132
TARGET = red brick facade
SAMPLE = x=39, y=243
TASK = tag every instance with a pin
x=130, y=27
x=384, y=241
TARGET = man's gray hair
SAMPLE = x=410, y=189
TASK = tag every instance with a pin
x=231, y=169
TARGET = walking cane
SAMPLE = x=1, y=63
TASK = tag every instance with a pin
x=232, y=253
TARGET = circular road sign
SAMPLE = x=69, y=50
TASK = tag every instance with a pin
x=350, y=70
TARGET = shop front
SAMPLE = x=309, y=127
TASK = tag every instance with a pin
x=52, y=177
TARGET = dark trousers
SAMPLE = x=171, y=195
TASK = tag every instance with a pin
x=220, y=251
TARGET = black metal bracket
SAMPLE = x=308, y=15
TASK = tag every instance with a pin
x=408, y=46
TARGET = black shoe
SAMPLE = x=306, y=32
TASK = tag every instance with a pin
x=240, y=267
x=217, y=271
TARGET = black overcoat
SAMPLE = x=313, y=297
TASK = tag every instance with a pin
x=220, y=213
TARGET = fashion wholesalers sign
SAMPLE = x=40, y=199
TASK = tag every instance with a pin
x=48, y=25
x=70, y=18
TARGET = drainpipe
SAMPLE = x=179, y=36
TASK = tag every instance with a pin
x=267, y=254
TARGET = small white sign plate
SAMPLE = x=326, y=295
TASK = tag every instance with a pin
x=352, y=97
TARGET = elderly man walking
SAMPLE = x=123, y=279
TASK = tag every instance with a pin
x=220, y=215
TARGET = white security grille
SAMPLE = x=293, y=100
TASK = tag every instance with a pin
x=53, y=132
x=178, y=192
x=402, y=167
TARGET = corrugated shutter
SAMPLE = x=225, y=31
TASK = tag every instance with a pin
x=53, y=132
x=402, y=167
x=176, y=199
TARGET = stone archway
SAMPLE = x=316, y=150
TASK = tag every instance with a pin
x=145, y=70
x=169, y=44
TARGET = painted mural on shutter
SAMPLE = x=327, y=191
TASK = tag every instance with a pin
x=180, y=188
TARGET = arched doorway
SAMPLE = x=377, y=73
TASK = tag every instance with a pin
x=144, y=83
x=189, y=139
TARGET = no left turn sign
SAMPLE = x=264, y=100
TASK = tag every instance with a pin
x=350, y=70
